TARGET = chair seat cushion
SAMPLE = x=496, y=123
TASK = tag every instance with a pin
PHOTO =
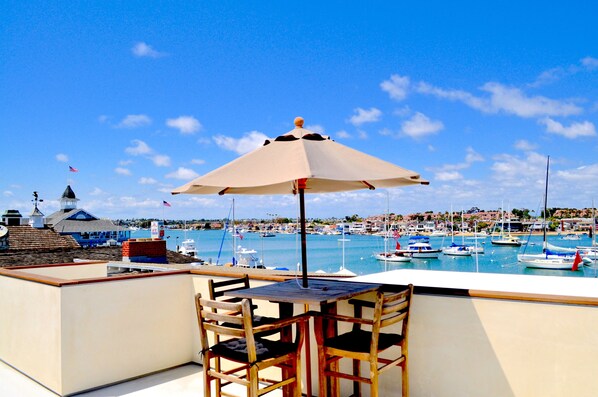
x=236, y=349
x=257, y=321
x=359, y=341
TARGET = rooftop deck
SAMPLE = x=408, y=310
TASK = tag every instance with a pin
x=76, y=331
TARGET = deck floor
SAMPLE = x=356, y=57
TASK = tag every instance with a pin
x=182, y=381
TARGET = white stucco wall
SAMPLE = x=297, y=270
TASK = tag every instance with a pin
x=30, y=329
x=71, y=272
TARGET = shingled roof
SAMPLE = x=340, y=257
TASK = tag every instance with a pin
x=28, y=238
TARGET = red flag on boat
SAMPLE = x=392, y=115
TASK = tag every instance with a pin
x=576, y=261
x=398, y=246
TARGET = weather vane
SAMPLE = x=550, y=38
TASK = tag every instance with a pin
x=36, y=198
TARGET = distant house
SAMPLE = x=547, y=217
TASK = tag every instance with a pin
x=87, y=229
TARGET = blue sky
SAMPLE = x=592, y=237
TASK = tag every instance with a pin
x=141, y=97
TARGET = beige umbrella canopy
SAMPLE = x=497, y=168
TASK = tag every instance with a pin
x=299, y=162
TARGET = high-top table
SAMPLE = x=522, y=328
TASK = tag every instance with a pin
x=323, y=293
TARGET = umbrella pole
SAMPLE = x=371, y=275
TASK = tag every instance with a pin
x=303, y=237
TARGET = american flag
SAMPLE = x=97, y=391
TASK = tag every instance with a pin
x=166, y=203
x=73, y=169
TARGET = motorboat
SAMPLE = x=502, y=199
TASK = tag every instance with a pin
x=187, y=247
x=419, y=247
x=245, y=257
x=456, y=250
x=507, y=241
x=393, y=257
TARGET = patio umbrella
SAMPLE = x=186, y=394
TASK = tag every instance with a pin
x=300, y=162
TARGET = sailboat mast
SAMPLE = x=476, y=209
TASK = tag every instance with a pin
x=545, y=204
x=234, y=233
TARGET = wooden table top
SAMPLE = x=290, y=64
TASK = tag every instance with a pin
x=319, y=292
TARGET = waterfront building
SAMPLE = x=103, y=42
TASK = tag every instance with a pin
x=87, y=229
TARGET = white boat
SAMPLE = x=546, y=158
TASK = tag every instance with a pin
x=439, y=233
x=571, y=236
x=549, y=259
x=546, y=261
x=505, y=239
x=393, y=257
x=188, y=248
x=419, y=247
x=456, y=249
x=245, y=257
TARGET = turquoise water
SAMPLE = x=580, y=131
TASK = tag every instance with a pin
x=325, y=253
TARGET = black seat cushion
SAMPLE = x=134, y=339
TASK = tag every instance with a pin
x=236, y=349
x=257, y=321
x=359, y=341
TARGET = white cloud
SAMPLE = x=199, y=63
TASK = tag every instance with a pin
x=139, y=147
x=247, y=143
x=96, y=192
x=142, y=49
x=505, y=99
x=450, y=172
x=185, y=124
x=198, y=161
x=524, y=145
x=63, y=158
x=125, y=162
x=549, y=76
x=580, y=174
x=575, y=130
x=318, y=129
x=420, y=125
x=454, y=95
x=402, y=112
x=183, y=174
x=472, y=156
x=448, y=176
x=122, y=171
x=396, y=87
x=362, y=134
x=365, y=116
x=147, y=181
x=590, y=63
x=134, y=121
x=8, y=193
x=161, y=160
x=342, y=134
x=513, y=101
x=103, y=118
x=514, y=172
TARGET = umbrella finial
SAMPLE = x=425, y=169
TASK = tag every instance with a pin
x=298, y=122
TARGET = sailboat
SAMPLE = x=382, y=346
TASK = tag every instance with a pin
x=456, y=249
x=188, y=245
x=505, y=240
x=343, y=270
x=396, y=255
x=549, y=259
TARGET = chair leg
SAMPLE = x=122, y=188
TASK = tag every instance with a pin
x=297, y=370
x=207, y=381
x=218, y=380
x=356, y=372
x=404, y=379
x=374, y=378
x=322, y=381
x=253, y=382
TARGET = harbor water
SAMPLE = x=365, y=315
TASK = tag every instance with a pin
x=325, y=252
